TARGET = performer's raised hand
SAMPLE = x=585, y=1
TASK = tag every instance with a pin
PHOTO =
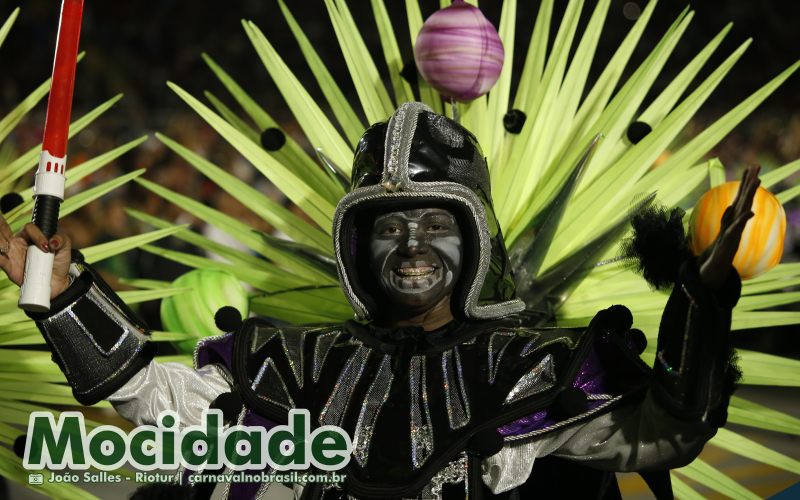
x=14, y=248
x=716, y=261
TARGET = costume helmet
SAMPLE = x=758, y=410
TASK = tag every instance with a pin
x=422, y=159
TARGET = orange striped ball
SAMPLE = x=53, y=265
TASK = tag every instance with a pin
x=762, y=240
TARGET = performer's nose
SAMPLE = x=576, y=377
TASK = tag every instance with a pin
x=414, y=246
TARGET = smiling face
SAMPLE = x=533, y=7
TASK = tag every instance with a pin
x=416, y=257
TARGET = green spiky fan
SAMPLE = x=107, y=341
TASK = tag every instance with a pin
x=533, y=178
x=29, y=380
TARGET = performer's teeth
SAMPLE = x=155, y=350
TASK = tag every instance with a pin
x=415, y=271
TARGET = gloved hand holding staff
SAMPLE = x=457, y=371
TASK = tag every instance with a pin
x=49, y=187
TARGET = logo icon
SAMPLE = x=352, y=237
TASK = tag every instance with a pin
x=35, y=478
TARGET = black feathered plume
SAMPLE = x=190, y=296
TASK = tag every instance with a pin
x=659, y=245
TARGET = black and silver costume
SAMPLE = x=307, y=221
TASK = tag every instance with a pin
x=476, y=405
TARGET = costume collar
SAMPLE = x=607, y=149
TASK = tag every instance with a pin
x=415, y=340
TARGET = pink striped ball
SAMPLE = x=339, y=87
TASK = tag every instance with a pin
x=458, y=52
x=761, y=246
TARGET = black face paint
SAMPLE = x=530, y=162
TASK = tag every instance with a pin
x=416, y=257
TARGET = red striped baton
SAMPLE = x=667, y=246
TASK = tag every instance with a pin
x=49, y=186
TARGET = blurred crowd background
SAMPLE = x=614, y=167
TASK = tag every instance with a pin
x=135, y=47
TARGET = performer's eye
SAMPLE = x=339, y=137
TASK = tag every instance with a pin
x=439, y=224
x=392, y=230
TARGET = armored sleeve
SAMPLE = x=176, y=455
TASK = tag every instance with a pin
x=169, y=386
x=96, y=340
x=106, y=352
x=631, y=438
x=693, y=378
x=691, y=384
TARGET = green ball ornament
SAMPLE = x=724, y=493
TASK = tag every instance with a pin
x=193, y=312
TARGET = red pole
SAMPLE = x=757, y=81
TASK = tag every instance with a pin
x=49, y=187
x=59, y=105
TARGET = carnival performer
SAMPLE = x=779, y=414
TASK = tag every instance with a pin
x=443, y=382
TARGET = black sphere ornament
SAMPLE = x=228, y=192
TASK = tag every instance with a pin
x=409, y=72
x=513, y=121
x=272, y=139
x=485, y=443
x=230, y=403
x=636, y=340
x=10, y=201
x=615, y=319
x=569, y=403
x=228, y=319
x=637, y=131
x=19, y=445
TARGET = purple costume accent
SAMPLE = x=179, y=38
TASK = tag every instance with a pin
x=248, y=489
x=591, y=379
x=527, y=424
x=244, y=490
x=219, y=350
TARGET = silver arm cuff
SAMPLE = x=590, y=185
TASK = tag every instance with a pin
x=513, y=464
x=95, y=339
x=169, y=386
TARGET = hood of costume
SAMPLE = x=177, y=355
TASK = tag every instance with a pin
x=420, y=159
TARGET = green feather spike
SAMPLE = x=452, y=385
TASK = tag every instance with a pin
x=528, y=252
x=556, y=284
